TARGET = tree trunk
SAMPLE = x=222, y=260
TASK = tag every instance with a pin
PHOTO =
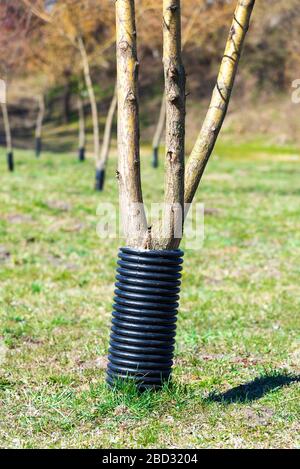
x=101, y=164
x=81, y=132
x=131, y=199
x=159, y=132
x=165, y=236
x=220, y=99
x=162, y=115
x=8, y=139
x=39, y=126
x=92, y=98
x=66, y=102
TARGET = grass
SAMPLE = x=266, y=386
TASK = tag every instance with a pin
x=237, y=369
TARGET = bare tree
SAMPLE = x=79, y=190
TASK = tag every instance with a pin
x=39, y=125
x=8, y=138
x=92, y=98
x=101, y=164
x=13, y=41
x=148, y=273
x=81, y=129
x=65, y=22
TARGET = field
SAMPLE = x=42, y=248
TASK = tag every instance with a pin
x=237, y=369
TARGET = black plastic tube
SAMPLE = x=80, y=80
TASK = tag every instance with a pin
x=81, y=154
x=99, y=181
x=144, y=317
x=38, y=147
x=10, y=161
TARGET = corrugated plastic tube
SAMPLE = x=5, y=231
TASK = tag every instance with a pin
x=144, y=317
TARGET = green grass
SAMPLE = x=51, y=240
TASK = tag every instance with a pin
x=236, y=375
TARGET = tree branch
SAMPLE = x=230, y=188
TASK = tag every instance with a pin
x=175, y=125
x=36, y=11
x=220, y=99
x=131, y=199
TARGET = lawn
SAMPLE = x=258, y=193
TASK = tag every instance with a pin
x=236, y=378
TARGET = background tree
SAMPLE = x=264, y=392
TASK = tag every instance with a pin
x=81, y=126
x=214, y=15
x=39, y=125
x=48, y=61
x=107, y=140
x=78, y=24
x=15, y=23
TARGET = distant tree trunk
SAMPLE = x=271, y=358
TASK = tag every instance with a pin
x=92, y=98
x=39, y=126
x=159, y=132
x=8, y=139
x=81, y=133
x=101, y=164
x=67, y=99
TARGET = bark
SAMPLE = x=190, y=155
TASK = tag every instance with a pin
x=175, y=129
x=128, y=174
x=92, y=98
x=159, y=132
x=220, y=99
x=8, y=139
x=39, y=125
x=81, y=131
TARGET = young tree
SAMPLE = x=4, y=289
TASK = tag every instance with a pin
x=93, y=101
x=148, y=276
x=15, y=24
x=77, y=23
x=39, y=125
x=8, y=138
x=101, y=166
x=81, y=128
x=49, y=60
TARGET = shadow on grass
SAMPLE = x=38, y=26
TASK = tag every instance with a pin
x=255, y=389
